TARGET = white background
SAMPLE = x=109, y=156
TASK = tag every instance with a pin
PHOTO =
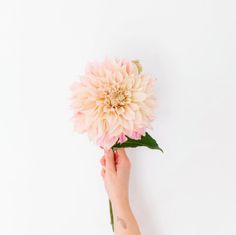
x=50, y=176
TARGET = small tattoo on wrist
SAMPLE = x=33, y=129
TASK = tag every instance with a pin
x=121, y=222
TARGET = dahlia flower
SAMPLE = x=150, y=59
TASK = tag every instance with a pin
x=113, y=101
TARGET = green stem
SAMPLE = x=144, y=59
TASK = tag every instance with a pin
x=111, y=215
x=110, y=206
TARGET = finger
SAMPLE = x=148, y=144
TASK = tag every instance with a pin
x=110, y=161
x=116, y=157
x=123, y=159
x=103, y=161
x=121, y=153
x=103, y=172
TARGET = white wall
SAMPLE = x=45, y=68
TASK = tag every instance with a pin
x=50, y=176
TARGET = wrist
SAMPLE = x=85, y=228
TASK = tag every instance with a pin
x=120, y=204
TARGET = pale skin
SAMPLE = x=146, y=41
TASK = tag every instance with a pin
x=115, y=172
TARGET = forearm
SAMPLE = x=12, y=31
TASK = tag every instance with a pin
x=125, y=222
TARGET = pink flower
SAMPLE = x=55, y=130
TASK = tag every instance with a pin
x=113, y=100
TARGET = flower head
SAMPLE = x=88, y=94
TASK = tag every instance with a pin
x=112, y=100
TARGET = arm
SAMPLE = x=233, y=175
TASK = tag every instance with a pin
x=115, y=172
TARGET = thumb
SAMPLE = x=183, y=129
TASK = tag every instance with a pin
x=110, y=161
x=122, y=157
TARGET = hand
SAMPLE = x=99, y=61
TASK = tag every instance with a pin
x=115, y=172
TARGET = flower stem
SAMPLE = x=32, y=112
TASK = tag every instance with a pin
x=111, y=215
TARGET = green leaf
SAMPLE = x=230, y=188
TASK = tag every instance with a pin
x=146, y=141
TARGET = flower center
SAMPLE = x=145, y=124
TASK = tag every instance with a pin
x=116, y=98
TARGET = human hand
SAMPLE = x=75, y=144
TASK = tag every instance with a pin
x=115, y=172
